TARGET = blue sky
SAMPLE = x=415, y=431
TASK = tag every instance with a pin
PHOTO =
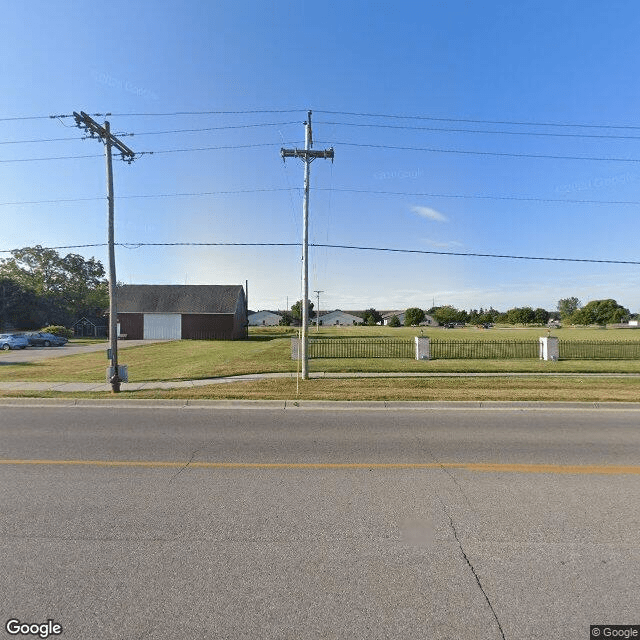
x=464, y=73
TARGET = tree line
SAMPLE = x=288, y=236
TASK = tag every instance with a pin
x=40, y=287
x=568, y=311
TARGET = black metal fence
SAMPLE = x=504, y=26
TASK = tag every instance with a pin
x=598, y=350
x=377, y=347
x=483, y=349
x=361, y=348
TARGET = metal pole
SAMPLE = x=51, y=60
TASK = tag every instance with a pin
x=318, y=311
x=113, y=312
x=307, y=157
x=305, y=251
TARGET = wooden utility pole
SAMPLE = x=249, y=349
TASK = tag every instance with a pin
x=104, y=133
x=307, y=155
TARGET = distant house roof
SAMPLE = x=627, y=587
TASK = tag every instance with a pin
x=264, y=317
x=339, y=317
x=171, y=298
x=92, y=320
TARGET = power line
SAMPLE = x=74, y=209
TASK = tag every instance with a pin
x=478, y=121
x=148, y=153
x=496, y=132
x=155, y=133
x=348, y=144
x=137, y=245
x=39, y=140
x=420, y=194
x=528, y=123
x=217, y=148
x=203, y=129
x=209, y=113
x=486, y=153
x=423, y=194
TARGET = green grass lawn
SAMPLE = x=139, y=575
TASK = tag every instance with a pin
x=268, y=350
x=534, y=388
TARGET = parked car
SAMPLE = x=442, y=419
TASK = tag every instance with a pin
x=13, y=341
x=40, y=339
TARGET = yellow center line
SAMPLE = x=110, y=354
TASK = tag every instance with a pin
x=491, y=467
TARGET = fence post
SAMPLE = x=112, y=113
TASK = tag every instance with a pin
x=295, y=348
x=423, y=351
x=549, y=348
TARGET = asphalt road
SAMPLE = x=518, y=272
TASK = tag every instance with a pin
x=260, y=523
x=34, y=354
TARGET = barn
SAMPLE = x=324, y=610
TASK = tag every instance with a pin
x=181, y=312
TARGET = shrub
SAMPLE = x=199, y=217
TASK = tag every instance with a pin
x=394, y=321
x=58, y=330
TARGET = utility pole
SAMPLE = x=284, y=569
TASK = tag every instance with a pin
x=318, y=310
x=307, y=155
x=104, y=133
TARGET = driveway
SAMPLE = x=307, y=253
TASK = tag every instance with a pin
x=35, y=354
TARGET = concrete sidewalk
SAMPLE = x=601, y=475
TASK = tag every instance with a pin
x=80, y=387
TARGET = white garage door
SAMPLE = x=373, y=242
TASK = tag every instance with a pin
x=162, y=326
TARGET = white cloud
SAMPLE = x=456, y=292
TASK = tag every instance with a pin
x=451, y=244
x=431, y=214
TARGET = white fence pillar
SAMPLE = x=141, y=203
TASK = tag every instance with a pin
x=423, y=350
x=549, y=348
x=295, y=348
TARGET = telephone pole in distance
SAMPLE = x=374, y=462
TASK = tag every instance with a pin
x=318, y=310
x=104, y=133
x=307, y=155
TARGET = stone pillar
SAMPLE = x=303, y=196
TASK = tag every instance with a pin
x=295, y=348
x=423, y=351
x=549, y=348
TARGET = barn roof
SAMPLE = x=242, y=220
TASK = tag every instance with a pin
x=172, y=298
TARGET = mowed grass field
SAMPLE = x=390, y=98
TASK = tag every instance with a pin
x=268, y=350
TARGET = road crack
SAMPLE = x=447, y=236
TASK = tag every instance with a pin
x=181, y=469
x=473, y=571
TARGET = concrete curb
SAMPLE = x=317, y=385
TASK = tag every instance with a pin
x=322, y=405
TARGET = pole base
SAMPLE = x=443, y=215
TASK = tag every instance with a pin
x=115, y=383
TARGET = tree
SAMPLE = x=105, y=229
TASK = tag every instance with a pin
x=372, y=317
x=286, y=320
x=296, y=310
x=600, y=312
x=22, y=308
x=541, y=316
x=64, y=287
x=413, y=317
x=448, y=315
x=394, y=321
x=520, y=315
x=567, y=307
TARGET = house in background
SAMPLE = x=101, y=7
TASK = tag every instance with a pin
x=429, y=321
x=92, y=326
x=181, y=312
x=264, y=319
x=389, y=314
x=338, y=317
